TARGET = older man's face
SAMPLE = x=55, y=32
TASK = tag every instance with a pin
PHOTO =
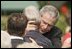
x=47, y=22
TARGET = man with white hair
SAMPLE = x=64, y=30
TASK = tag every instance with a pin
x=49, y=17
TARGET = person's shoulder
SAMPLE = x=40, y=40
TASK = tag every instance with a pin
x=56, y=28
x=56, y=31
x=2, y=31
x=5, y=40
x=5, y=34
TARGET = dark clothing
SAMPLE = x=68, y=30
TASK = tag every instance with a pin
x=16, y=40
x=55, y=36
x=50, y=39
x=39, y=38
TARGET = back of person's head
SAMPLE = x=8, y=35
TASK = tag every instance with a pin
x=32, y=14
x=52, y=10
x=5, y=40
x=16, y=24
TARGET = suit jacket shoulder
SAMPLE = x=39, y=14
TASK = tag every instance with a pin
x=55, y=32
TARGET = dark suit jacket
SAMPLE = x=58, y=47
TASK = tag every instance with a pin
x=39, y=38
x=55, y=36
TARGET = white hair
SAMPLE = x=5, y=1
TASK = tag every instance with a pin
x=53, y=11
x=5, y=40
x=32, y=13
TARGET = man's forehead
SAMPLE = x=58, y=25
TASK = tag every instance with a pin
x=48, y=15
x=49, y=20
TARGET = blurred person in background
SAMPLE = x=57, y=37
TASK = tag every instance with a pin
x=66, y=38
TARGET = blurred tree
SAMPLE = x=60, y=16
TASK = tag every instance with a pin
x=57, y=4
x=42, y=3
x=66, y=11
